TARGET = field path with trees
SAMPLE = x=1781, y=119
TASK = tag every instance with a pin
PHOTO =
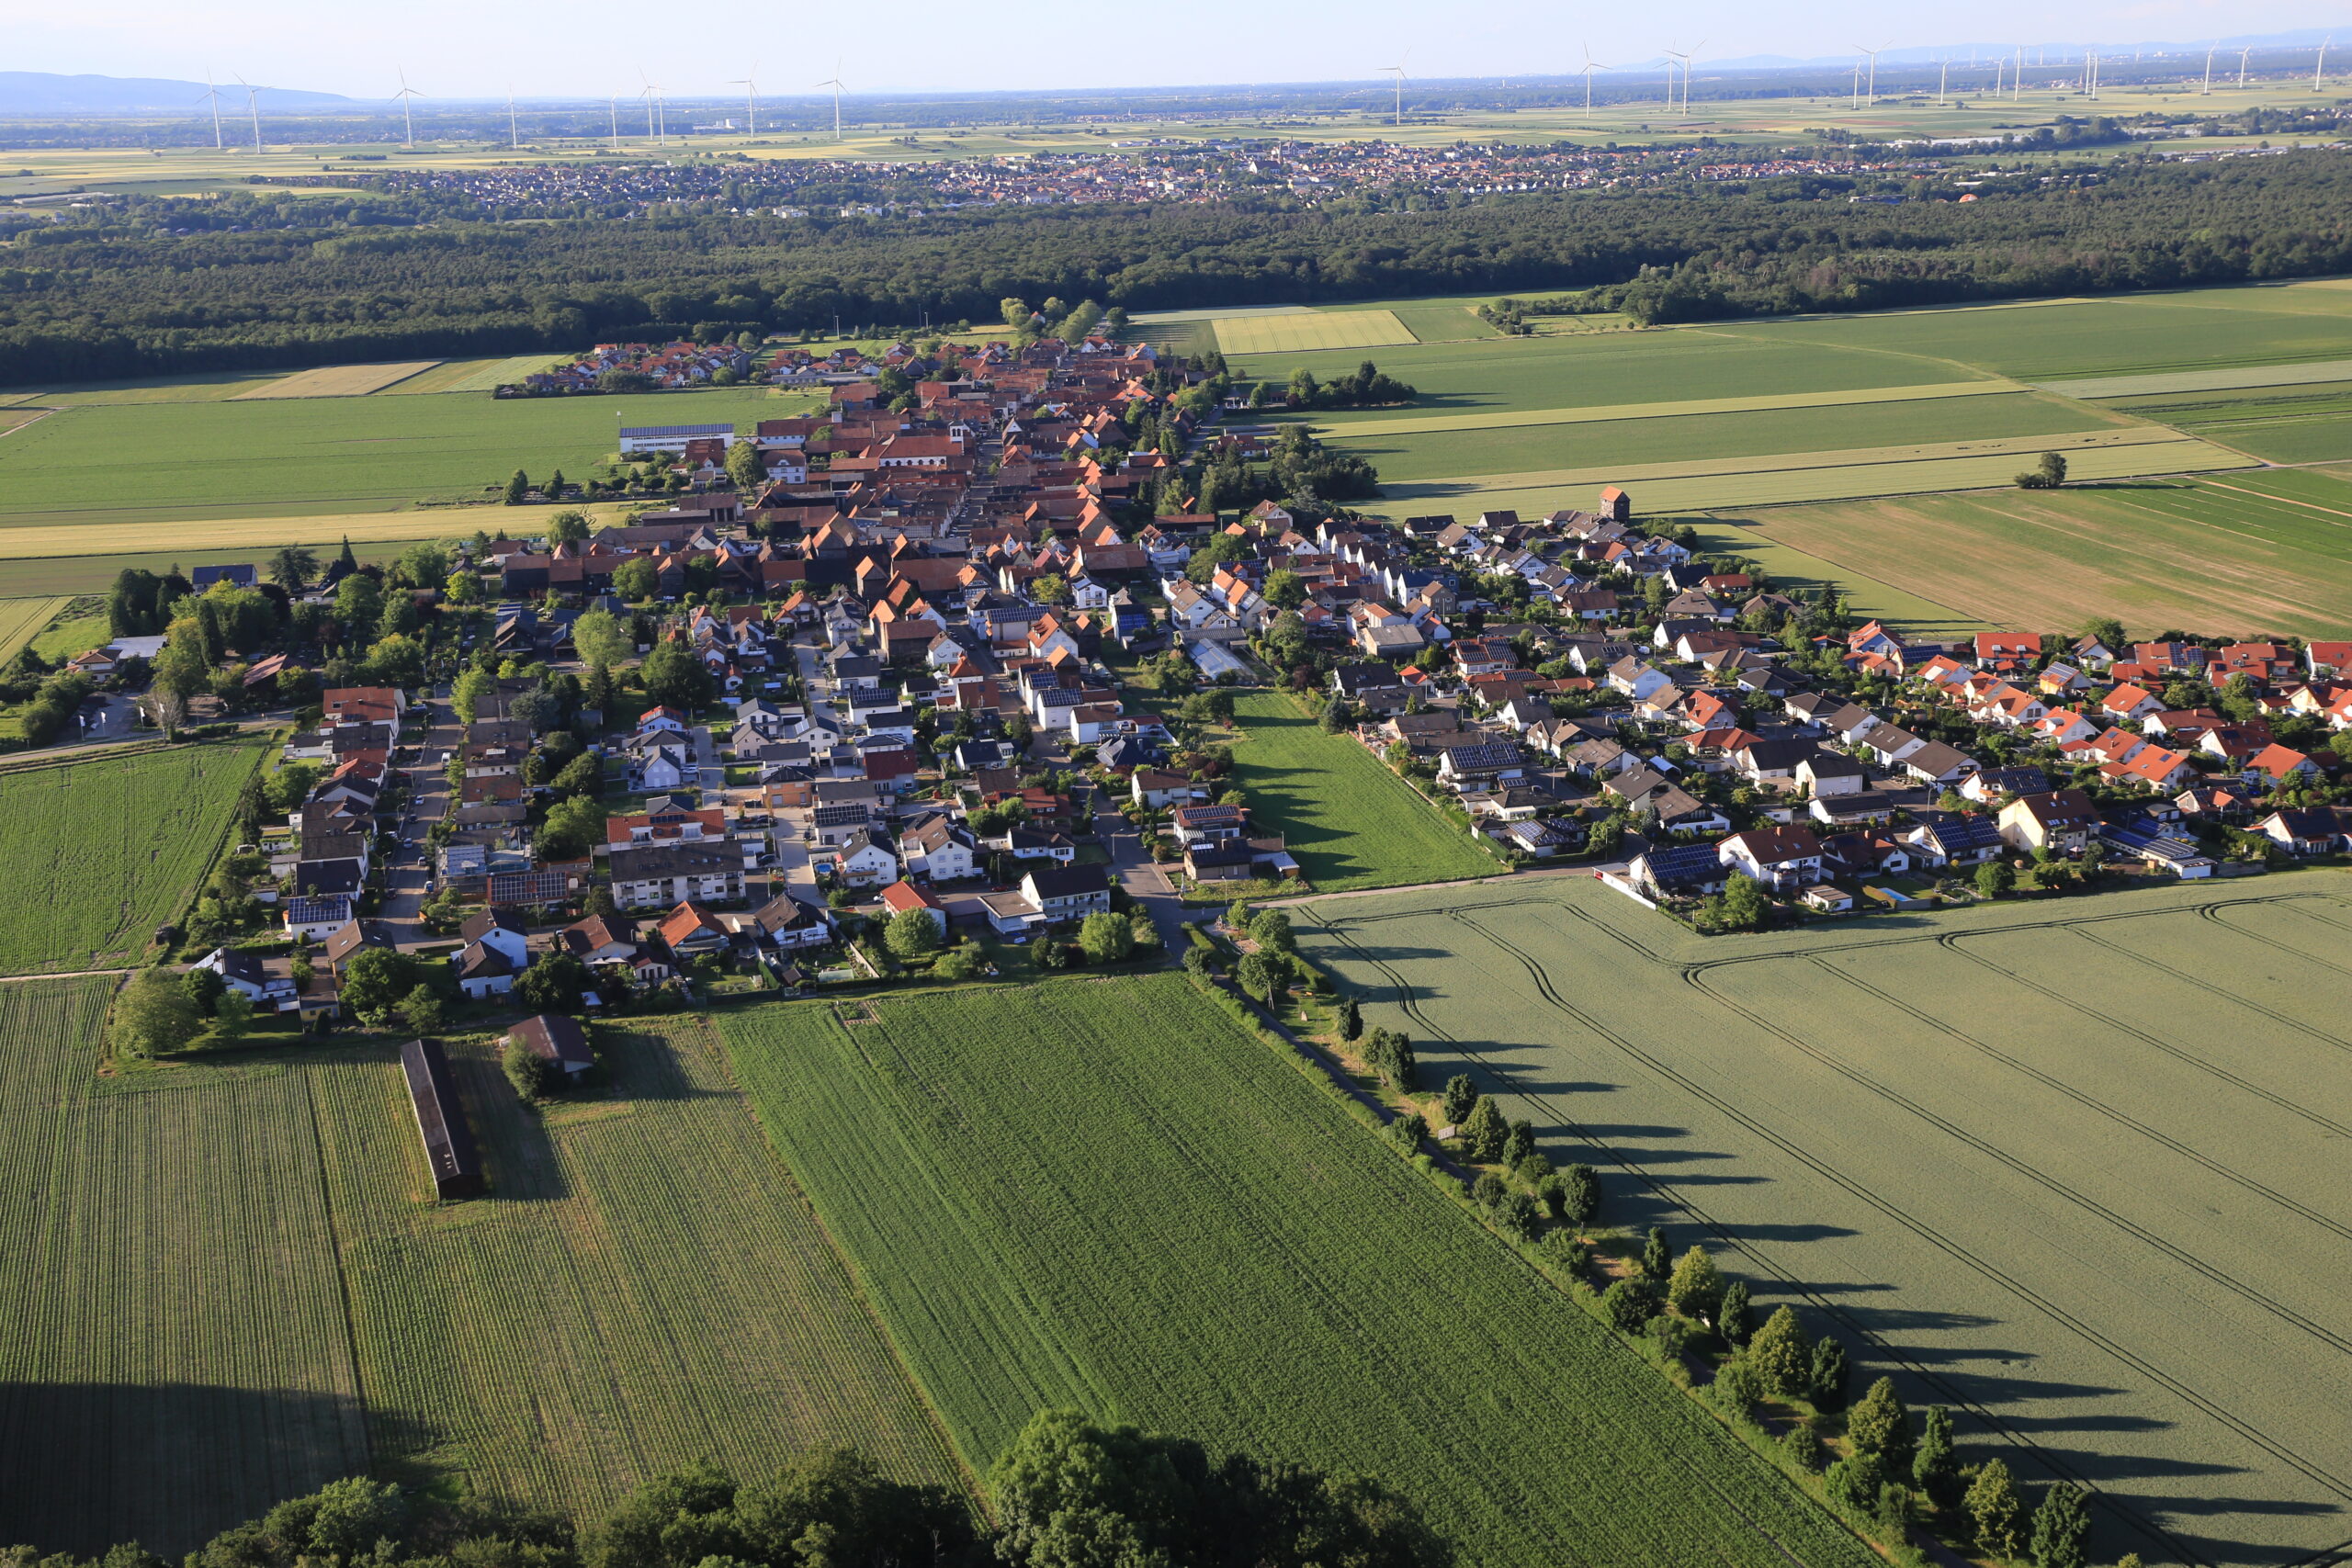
x=2070, y=1168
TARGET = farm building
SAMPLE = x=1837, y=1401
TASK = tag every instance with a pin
x=556, y=1040
x=441, y=1121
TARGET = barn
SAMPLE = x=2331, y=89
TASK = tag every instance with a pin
x=441, y=1121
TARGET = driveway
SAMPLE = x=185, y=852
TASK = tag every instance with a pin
x=410, y=881
x=1131, y=865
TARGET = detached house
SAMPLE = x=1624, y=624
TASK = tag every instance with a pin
x=2061, y=822
x=1780, y=858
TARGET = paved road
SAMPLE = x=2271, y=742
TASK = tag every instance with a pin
x=410, y=880
x=1132, y=867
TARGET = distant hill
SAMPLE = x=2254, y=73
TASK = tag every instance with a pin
x=43, y=92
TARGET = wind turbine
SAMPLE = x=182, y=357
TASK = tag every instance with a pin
x=2016, y=77
x=613, y=104
x=1943, y=75
x=835, y=81
x=1589, y=67
x=2243, y=55
x=1871, y=54
x=513, y=132
x=2321, y=63
x=2209, y=69
x=212, y=94
x=751, y=95
x=1400, y=118
x=1684, y=56
x=408, y=126
x=252, y=103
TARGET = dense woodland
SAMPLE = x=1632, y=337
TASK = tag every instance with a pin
x=273, y=280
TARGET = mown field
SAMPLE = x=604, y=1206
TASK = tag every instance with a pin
x=341, y=380
x=228, y=1287
x=326, y=452
x=1347, y=820
x=644, y=1286
x=173, y=1357
x=21, y=620
x=1676, y=439
x=473, y=375
x=2069, y=1167
x=1104, y=1194
x=2249, y=552
x=99, y=853
x=1309, y=331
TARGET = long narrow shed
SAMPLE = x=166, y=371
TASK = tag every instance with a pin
x=441, y=1121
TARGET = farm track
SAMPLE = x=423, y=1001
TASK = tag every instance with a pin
x=2007, y=1281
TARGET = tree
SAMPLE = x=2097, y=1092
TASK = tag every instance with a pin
x=154, y=1015
x=1285, y=590
x=1351, y=1019
x=1051, y=589
x=1630, y=1302
x=1106, y=938
x=375, y=981
x=568, y=528
x=1272, y=930
x=1461, y=1094
x=518, y=488
x=397, y=661
x=1995, y=1509
x=1738, y=1389
x=2059, y=1526
x=573, y=828
x=1994, y=878
x=1935, y=1469
x=1745, y=906
x=1256, y=976
x=1731, y=1317
x=1482, y=1133
x=1826, y=1383
x=1782, y=1354
x=1879, y=1424
x=1580, y=1198
x=292, y=567
x=635, y=579
x=1853, y=1483
x=526, y=1069
x=554, y=983
x=746, y=467
x=912, y=934
x=1657, y=1261
x=422, y=1009
x=676, y=678
x=1697, y=1285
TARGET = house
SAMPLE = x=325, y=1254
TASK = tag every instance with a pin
x=1988, y=784
x=784, y=922
x=1681, y=871
x=449, y=1149
x=269, y=987
x=902, y=896
x=1830, y=773
x=314, y=920
x=1067, y=892
x=1193, y=824
x=2281, y=764
x=937, y=848
x=2128, y=702
x=1158, y=790
x=2152, y=844
x=1780, y=858
x=690, y=931
x=484, y=970
x=2058, y=820
x=650, y=876
x=501, y=932
x=556, y=1040
x=1824, y=898
x=599, y=939
x=1220, y=859
x=351, y=937
x=2304, y=831
x=862, y=858
x=2153, y=767
x=1937, y=763
x=1954, y=838
x=1481, y=763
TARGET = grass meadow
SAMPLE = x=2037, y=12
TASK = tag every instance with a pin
x=1347, y=820
x=100, y=853
x=22, y=620
x=341, y=380
x=1102, y=1193
x=230, y=1285
x=2258, y=552
x=1310, y=331
x=2068, y=1167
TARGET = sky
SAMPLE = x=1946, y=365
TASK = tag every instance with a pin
x=592, y=48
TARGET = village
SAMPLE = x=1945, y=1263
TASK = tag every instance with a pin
x=887, y=692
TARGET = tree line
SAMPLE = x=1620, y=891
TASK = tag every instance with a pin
x=1068, y=1492
x=107, y=292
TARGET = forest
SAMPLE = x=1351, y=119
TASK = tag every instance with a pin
x=272, y=280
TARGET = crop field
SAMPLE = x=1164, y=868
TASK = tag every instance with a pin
x=21, y=620
x=2261, y=552
x=1347, y=820
x=340, y=380
x=203, y=388
x=172, y=1353
x=95, y=573
x=643, y=1287
x=1701, y=437
x=1102, y=1193
x=101, y=462
x=1782, y=478
x=1442, y=424
x=1325, y=330
x=2070, y=1167
x=2217, y=379
x=474, y=375
x=100, y=853
x=1866, y=597
x=31, y=545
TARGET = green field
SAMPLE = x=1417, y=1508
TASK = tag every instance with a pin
x=21, y=620
x=1690, y=437
x=2160, y=383
x=2260, y=552
x=2070, y=1167
x=475, y=375
x=100, y=853
x=1344, y=816
x=228, y=1287
x=74, y=635
x=1104, y=1194
x=173, y=1357
x=1310, y=331
x=644, y=1287
x=325, y=453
